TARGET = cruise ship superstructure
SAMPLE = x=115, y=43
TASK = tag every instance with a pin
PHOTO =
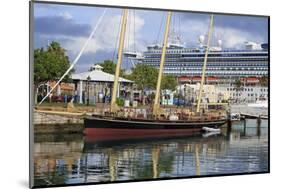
x=186, y=63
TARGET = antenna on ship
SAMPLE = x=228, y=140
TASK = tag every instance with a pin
x=205, y=62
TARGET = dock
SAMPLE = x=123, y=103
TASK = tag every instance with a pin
x=253, y=116
x=249, y=112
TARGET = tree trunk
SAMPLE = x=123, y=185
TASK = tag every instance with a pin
x=142, y=96
x=35, y=93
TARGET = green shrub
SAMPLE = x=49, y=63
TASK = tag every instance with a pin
x=120, y=101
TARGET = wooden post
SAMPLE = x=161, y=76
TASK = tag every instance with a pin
x=113, y=105
x=162, y=61
x=245, y=127
x=229, y=126
x=229, y=123
x=259, y=126
x=205, y=63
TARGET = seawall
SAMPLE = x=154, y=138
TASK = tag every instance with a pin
x=57, y=122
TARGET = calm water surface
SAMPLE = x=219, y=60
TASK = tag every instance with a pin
x=67, y=159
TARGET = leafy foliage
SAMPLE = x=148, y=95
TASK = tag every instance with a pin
x=169, y=82
x=264, y=81
x=238, y=84
x=109, y=67
x=145, y=77
x=50, y=64
x=120, y=101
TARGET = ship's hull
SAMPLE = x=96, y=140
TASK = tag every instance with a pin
x=106, y=128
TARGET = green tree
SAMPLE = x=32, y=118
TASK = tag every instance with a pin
x=169, y=82
x=238, y=84
x=144, y=76
x=109, y=67
x=264, y=81
x=50, y=64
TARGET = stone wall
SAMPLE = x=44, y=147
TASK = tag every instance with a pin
x=54, y=122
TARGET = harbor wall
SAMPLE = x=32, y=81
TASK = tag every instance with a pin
x=57, y=122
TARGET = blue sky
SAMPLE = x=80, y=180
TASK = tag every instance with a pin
x=71, y=25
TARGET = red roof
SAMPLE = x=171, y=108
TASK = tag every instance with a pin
x=250, y=79
x=196, y=78
x=185, y=78
x=212, y=78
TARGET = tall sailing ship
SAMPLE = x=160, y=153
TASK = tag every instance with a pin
x=154, y=121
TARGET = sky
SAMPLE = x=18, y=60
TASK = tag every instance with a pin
x=71, y=25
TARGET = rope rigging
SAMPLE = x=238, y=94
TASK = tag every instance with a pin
x=134, y=12
x=78, y=56
x=116, y=40
x=159, y=31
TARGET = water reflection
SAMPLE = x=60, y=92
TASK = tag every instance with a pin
x=66, y=159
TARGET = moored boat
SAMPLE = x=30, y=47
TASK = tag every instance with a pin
x=112, y=125
x=108, y=126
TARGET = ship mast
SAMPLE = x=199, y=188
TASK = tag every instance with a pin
x=157, y=95
x=113, y=105
x=205, y=62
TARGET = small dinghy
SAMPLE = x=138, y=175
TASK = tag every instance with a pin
x=209, y=134
x=209, y=129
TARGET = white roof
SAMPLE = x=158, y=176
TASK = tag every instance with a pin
x=97, y=67
x=98, y=75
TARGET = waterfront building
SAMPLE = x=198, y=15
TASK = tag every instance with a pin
x=96, y=85
x=210, y=93
x=224, y=93
x=246, y=94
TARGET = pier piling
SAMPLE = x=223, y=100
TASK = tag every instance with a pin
x=229, y=125
x=259, y=126
x=244, y=126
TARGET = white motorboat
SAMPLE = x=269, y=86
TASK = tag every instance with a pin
x=260, y=103
x=209, y=129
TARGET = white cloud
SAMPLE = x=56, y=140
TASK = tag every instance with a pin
x=106, y=36
x=66, y=15
x=231, y=38
x=235, y=38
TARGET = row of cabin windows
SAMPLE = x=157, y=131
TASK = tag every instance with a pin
x=247, y=89
x=209, y=61
x=249, y=94
x=173, y=51
x=227, y=55
x=216, y=68
x=223, y=59
x=215, y=73
x=210, y=67
x=202, y=54
x=177, y=57
x=210, y=64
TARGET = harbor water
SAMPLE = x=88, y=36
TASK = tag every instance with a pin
x=72, y=158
